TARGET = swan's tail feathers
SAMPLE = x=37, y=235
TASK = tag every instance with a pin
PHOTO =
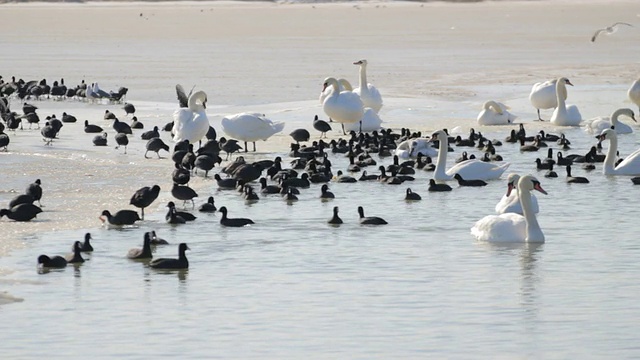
x=278, y=127
x=504, y=168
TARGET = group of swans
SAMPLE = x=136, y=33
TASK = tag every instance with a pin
x=412, y=147
x=469, y=169
x=356, y=109
x=512, y=227
x=552, y=94
x=495, y=113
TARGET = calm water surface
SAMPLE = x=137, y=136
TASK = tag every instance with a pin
x=291, y=286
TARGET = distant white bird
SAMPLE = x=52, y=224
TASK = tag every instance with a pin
x=250, y=127
x=634, y=93
x=191, y=122
x=368, y=93
x=495, y=113
x=608, y=30
x=343, y=85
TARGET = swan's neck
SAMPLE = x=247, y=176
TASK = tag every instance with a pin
x=614, y=118
x=363, y=77
x=610, y=159
x=534, y=233
x=561, y=94
x=442, y=156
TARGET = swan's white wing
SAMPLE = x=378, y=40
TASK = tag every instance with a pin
x=597, y=125
x=250, y=127
x=181, y=119
x=511, y=204
x=477, y=170
x=630, y=165
x=508, y=227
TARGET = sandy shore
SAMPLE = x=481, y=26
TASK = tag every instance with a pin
x=433, y=62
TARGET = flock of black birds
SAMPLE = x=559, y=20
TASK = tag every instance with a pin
x=311, y=165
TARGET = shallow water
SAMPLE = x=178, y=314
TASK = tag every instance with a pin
x=291, y=286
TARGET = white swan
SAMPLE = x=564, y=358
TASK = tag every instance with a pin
x=411, y=147
x=543, y=95
x=468, y=169
x=343, y=85
x=512, y=227
x=344, y=107
x=510, y=203
x=250, y=127
x=495, y=113
x=634, y=93
x=370, y=122
x=564, y=115
x=629, y=166
x=368, y=93
x=597, y=125
x=191, y=123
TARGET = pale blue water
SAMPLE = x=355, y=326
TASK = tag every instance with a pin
x=291, y=286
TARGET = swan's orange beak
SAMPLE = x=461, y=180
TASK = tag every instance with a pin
x=509, y=189
x=569, y=82
x=358, y=62
x=539, y=188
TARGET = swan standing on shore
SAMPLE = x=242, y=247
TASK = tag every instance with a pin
x=250, y=127
x=634, y=93
x=495, y=113
x=368, y=93
x=597, y=125
x=510, y=203
x=468, y=169
x=629, y=166
x=512, y=227
x=344, y=107
x=190, y=122
x=565, y=115
x=543, y=96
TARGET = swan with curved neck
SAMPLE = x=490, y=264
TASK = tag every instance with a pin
x=343, y=85
x=468, y=169
x=512, y=227
x=368, y=93
x=629, y=166
x=564, y=115
x=596, y=126
x=510, y=202
x=634, y=93
x=343, y=107
x=191, y=123
x=495, y=113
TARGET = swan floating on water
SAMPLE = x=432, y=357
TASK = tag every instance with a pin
x=344, y=107
x=510, y=203
x=597, y=125
x=468, y=169
x=629, y=166
x=495, y=113
x=634, y=93
x=368, y=93
x=511, y=227
x=191, y=122
x=543, y=95
x=564, y=115
x=250, y=127
x=411, y=147
x=343, y=85
x=370, y=122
